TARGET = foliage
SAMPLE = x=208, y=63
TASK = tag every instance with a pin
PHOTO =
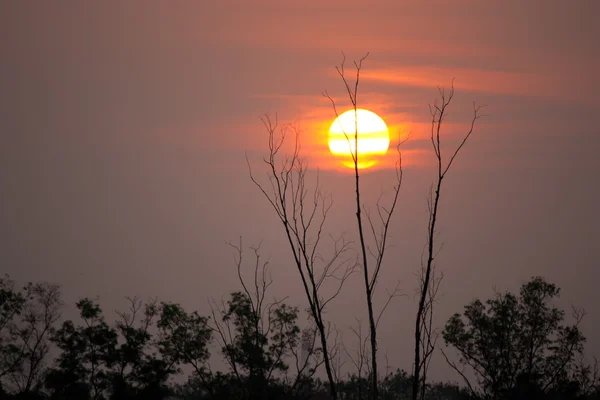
x=183, y=338
x=27, y=319
x=136, y=356
x=257, y=348
x=11, y=305
x=126, y=361
x=256, y=339
x=517, y=344
x=87, y=354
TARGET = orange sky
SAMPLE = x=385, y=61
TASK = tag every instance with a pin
x=124, y=128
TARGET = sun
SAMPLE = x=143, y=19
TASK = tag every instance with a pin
x=372, y=135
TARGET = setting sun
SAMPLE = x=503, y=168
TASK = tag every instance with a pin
x=372, y=136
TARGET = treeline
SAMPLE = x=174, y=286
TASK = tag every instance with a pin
x=509, y=347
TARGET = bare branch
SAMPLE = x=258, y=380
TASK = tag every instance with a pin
x=303, y=214
x=379, y=233
x=460, y=372
x=423, y=331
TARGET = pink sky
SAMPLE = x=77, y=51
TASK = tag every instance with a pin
x=124, y=128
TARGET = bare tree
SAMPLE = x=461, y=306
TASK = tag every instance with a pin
x=378, y=230
x=429, y=335
x=303, y=214
x=336, y=355
x=258, y=337
x=360, y=357
x=307, y=360
x=588, y=376
x=424, y=311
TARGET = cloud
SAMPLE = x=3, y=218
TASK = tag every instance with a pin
x=471, y=79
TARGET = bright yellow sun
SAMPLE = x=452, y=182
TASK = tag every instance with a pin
x=372, y=135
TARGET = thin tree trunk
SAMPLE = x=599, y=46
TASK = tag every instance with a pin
x=368, y=288
x=417, y=368
x=370, y=278
x=286, y=196
x=437, y=113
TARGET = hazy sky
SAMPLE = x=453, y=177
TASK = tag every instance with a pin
x=124, y=127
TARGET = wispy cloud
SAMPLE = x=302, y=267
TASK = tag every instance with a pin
x=471, y=79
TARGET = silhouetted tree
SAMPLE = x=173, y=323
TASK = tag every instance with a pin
x=360, y=359
x=259, y=338
x=87, y=353
x=428, y=335
x=518, y=346
x=129, y=360
x=424, y=341
x=396, y=385
x=379, y=230
x=183, y=339
x=38, y=315
x=27, y=318
x=11, y=305
x=303, y=213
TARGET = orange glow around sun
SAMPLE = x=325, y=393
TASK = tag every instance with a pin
x=372, y=135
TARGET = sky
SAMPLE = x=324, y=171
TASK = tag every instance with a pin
x=125, y=127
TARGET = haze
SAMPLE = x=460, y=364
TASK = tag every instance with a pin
x=124, y=128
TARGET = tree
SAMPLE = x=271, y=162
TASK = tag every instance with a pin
x=428, y=336
x=255, y=351
x=379, y=231
x=87, y=353
x=259, y=337
x=183, y=339
x=303, y=213
x=360, y=361
x=27, y=318
x=11, y=306
x=517, y=344
x=129, y=362
x=38, y=316
x=424, y=335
